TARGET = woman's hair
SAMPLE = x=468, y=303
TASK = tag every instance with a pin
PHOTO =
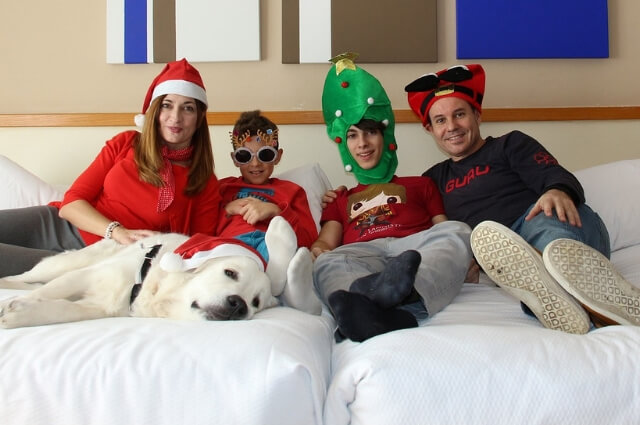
x=252, y=121
x=148, y=150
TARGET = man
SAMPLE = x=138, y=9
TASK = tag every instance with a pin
x=515, y=195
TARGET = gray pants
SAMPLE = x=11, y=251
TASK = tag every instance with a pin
x=446, y=255
x=27, y=235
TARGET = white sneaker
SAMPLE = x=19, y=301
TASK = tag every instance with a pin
x=591, y=278
x=517, y=267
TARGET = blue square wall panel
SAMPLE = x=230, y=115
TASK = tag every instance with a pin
x=517, y=29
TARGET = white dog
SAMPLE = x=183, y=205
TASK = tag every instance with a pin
x=103, y=280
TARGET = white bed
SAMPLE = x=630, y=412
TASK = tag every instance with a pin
x=273, y=369
x=483, y=361
x=480, y=361
x=157, y=371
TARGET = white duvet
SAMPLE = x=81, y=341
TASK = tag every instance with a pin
x=482, y=361
x=273, y=369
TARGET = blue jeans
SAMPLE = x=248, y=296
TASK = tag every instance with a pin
x=256, y=240
x=541, y=230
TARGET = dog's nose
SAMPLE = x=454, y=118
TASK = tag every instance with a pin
x=237, y=307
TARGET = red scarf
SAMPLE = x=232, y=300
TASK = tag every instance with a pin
x=168, y=189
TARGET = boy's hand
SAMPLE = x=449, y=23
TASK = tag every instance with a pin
x=331, y=195
x=252, y=210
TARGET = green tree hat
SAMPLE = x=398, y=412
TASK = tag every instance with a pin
x=350, y=95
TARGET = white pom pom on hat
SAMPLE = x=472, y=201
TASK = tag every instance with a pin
x=179, y=77
x=172, y=262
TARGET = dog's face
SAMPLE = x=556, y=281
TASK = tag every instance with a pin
x=224, y=288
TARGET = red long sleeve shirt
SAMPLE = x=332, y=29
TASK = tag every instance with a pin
x=112, y=186
x=291, y=198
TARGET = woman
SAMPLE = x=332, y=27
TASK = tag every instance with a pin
x=158, y=180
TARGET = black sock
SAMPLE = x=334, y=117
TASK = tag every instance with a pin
x=359, y=318
x=389, y=287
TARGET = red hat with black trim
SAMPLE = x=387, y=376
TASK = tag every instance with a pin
x=463, y=81
x=179, y=77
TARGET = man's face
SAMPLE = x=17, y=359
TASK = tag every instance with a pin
x=455, y=127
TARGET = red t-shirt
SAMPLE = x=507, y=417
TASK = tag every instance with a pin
x=402, y=207
x=288, y=196
x=112, y=186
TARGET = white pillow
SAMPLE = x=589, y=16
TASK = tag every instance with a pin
x=22, y=188
x=314, y=181
x=613, y=191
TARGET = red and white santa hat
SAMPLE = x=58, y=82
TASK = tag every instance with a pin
x=200, y=248
x=179, y=77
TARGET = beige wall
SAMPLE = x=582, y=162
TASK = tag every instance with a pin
x=59, y=154
x=53, y=60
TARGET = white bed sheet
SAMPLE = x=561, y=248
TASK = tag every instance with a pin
x=482, y=361
x=273, y=369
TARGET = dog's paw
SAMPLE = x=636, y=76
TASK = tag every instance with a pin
x=299, y=292
x=12, y=311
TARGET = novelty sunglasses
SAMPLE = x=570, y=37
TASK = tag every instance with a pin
x=266, y=154
x=427, y=82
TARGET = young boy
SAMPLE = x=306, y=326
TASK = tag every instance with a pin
x=386, y=254
x=253, y=199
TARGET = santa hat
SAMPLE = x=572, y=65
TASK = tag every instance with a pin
x=178, y=77
x=350, y=95
x=200, y=248
x=463, y=81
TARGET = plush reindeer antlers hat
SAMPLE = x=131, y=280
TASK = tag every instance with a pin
x=463, y=81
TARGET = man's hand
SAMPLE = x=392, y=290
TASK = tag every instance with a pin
x=555, y=199
x=473, y=273
x=331, y=195
x=252, y=210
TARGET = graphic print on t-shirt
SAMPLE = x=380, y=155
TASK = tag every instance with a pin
x=253, y=192
x=371, y=207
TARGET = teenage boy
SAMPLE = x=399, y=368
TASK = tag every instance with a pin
x=386, y=255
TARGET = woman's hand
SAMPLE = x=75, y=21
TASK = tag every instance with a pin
x=125, y=236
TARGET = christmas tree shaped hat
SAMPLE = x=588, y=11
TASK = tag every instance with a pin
x=350, y=95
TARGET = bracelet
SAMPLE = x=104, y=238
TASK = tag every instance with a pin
x=110, y=228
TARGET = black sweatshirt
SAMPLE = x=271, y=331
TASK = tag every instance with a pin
x=501, y=180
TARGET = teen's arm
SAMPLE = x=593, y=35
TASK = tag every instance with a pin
x=330, y=237
x=438, y=218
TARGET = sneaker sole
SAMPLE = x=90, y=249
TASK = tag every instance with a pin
x=591, y=278
x=517, y=267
